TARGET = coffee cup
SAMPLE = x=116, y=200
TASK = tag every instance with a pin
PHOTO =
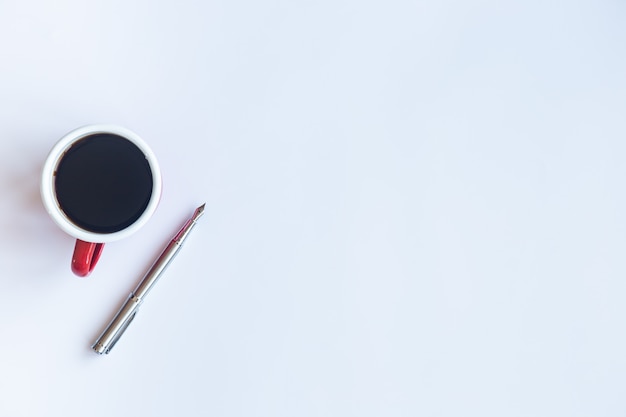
x=99, y=184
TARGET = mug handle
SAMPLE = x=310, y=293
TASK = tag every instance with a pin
x=85, y=257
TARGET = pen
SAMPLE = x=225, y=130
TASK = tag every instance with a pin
x=122, y=319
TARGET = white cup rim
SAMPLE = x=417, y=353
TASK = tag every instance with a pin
x=48, y=189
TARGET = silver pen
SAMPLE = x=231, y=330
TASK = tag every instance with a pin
x=122, y=319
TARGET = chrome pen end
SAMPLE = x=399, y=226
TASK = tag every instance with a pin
x=99, y=348
x=117, y=326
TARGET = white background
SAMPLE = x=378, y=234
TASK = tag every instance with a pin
x=414, y=208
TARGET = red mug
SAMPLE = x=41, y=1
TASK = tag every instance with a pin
x=100, y=183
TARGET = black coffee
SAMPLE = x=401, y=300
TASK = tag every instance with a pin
x=103, y=183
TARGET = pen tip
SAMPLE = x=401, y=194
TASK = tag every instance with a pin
x=199, y=211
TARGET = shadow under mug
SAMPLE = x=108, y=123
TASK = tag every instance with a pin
x=100, y=183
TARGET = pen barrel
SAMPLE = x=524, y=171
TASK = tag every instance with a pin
x=156, y=270
x=117, y=326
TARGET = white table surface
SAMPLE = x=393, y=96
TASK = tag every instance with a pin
x=414, y=208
